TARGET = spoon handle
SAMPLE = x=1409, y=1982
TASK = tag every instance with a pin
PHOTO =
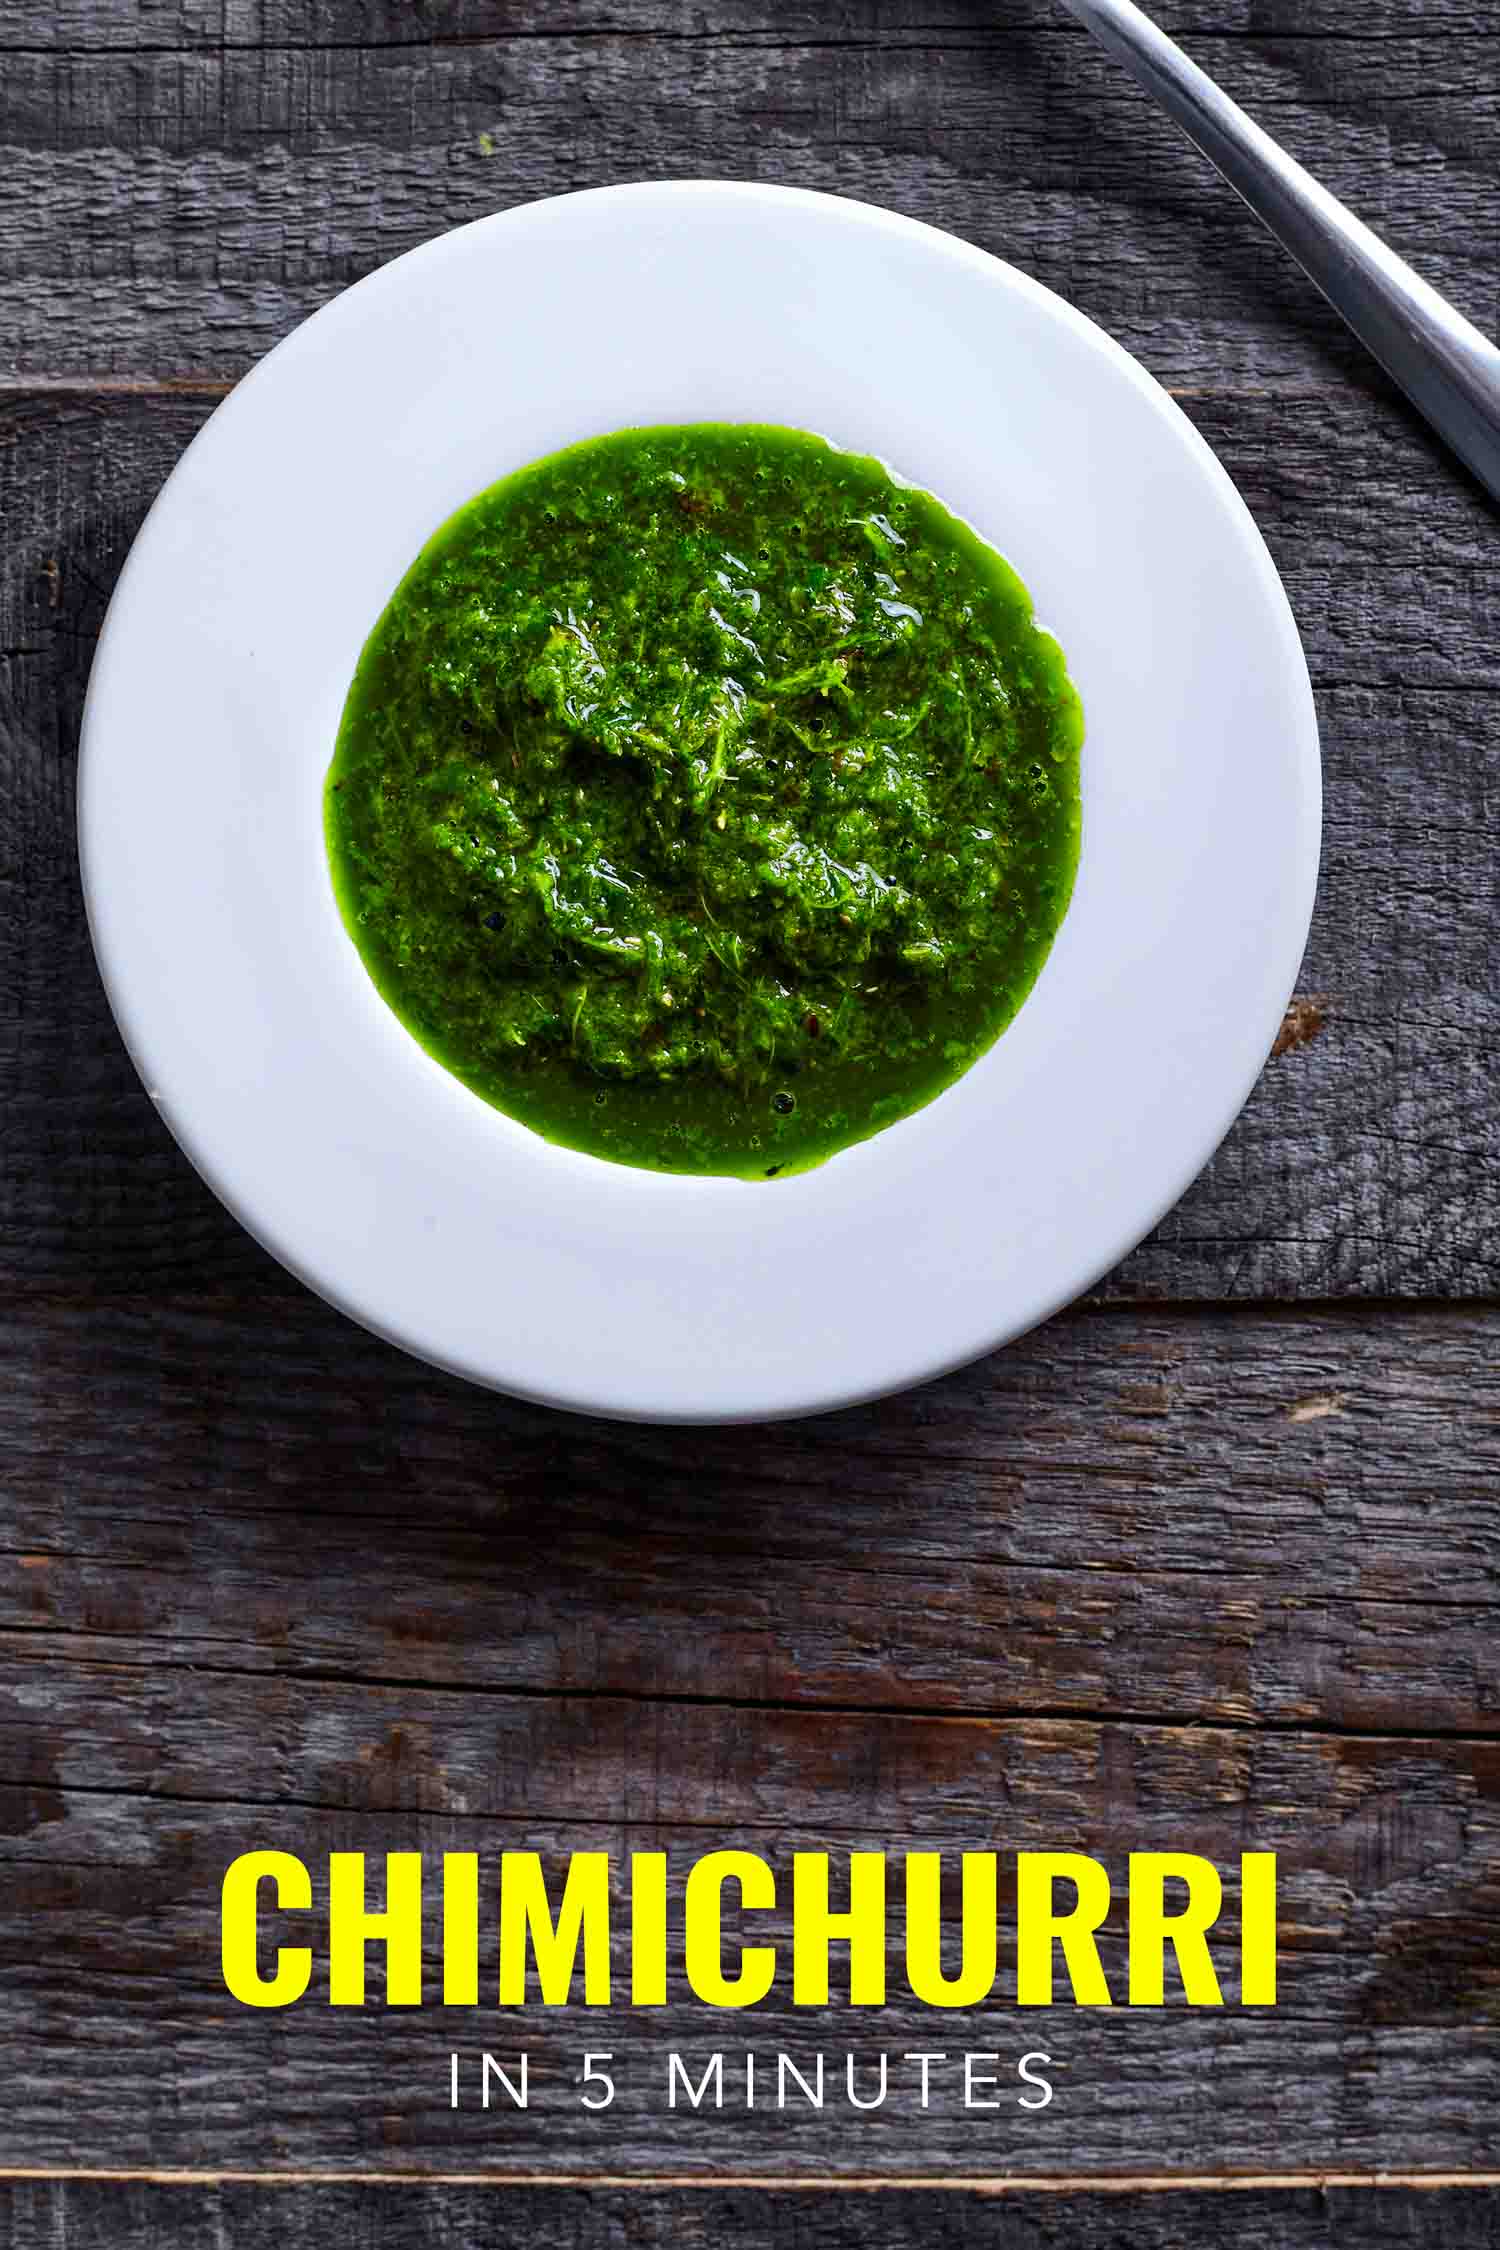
x=1446, y=367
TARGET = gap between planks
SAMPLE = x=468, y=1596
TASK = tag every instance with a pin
x=1041, y=2183
x=988, y=1718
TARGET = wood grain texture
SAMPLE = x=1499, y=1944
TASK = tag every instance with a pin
x=1185, y=1517
x=1383, y=2053
x=183, y=183
x=1369, y=1157
x=135, y=26
x=1204, y=1585
x=1189, y=1567
x=94, y=2216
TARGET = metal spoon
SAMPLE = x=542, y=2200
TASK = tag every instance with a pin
x=1442, y=362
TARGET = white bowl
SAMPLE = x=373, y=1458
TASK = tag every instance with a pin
x=376, y=1176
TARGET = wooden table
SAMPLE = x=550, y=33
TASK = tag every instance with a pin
x=1211, y=1563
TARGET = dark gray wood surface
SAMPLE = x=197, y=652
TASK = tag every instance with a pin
x=1211, y=1562
x=88, y=2216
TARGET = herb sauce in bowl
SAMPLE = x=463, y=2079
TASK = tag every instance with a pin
x=706, y=799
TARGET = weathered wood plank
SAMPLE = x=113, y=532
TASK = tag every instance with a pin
x=1382, y=2053
x=174, y=203
x=1271, y=1522
x=150, y=1728
x=1206, y=1579
x=133, y=25
x=93, y=2215
x=1369, y=1158
x=327, y=1602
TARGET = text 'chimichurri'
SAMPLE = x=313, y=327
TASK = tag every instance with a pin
x=706, y=799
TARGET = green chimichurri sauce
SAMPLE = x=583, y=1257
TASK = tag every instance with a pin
x=706, y=799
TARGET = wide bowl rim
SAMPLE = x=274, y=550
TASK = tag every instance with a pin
x=1048, y=1292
